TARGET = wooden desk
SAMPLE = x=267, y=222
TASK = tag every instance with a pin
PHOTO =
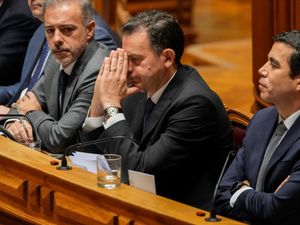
x=34, y=192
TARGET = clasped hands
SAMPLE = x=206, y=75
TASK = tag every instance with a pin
x=21, y=129
x=111, y=84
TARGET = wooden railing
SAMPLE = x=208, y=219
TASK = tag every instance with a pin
x=32, y=191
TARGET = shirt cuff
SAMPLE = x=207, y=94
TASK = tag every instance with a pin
x=235, y=196
x=92, y=123
x=113, y=120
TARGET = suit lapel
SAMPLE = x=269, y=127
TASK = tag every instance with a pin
x=36, y=46
x=264, y=133
x=291, y=137
x=164, y=101
x=76, y=71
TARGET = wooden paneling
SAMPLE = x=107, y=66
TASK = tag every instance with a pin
x=117, y=12
x=269, y=17
x=32, y=191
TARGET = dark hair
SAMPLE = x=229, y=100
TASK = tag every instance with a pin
x=164, y=31
x=291, y=38
x=86, y=8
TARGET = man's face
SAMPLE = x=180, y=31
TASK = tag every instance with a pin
x=275, y=84
x=66, y=34
x=146, y=69
x=36, y=7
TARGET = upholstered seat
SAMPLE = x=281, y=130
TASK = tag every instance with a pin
x=239, y=122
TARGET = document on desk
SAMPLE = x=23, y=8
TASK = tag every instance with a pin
x=85, y=160
x=142, y=181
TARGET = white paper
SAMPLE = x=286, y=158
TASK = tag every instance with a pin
x=143, y=181
x=85, y=160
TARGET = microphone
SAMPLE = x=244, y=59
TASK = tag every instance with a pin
x=72, y=148
x=16, y=116
x=213, y=214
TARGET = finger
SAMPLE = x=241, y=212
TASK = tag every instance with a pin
x=124, y=66
x=28, y=130
x=106, y=67
x=30, y=94
x=22, y=130
x=120, y=62
x=17, y=130
x=114, y=61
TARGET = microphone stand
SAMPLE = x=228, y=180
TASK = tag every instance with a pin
x=72, y=148
x=20, y=117
x=213, y=214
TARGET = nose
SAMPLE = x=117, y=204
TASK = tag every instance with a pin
x=57, y=37
x=263, y=71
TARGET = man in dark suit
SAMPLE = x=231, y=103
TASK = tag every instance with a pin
x=184, y=140
x=59, y=101
x=10, y=94
x=16, y=28
x=262, y=183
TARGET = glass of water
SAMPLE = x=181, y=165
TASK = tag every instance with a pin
x=109, y=171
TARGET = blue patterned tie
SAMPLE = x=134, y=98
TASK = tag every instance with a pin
x=38, y=69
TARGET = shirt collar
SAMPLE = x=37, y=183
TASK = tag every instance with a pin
x=289, y=121
x=69, y=68
x=155, y=97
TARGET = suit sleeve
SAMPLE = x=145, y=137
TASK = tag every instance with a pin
x=13, y=45
x=192, y=123
x=7, y=92
x=272, y=206
x=57, y=135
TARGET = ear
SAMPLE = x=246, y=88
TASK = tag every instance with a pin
x=168, y=55
x=90, y=29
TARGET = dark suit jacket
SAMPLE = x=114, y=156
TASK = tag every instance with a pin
x=265, y=207
x=9, y=94
x=57, y=132
x=16, y=28
x=185, y=143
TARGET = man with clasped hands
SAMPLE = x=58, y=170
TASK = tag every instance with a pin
x=185, y=138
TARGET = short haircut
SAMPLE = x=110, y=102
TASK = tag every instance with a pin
x=163, y=30
x=86, y=8
x=291, y=38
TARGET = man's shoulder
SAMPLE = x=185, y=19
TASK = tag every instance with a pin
x=96, y=55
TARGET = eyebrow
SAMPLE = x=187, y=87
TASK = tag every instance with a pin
x=276, y=62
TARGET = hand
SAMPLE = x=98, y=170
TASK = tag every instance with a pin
x=111, y=84
x=4, y=109
x=21, y=130
x=28, y=103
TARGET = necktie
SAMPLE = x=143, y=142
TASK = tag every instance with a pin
x=148, y=109
x=40, y=64
x=63, y=80
x=274, y=142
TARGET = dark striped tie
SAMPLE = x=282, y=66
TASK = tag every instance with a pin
x=63, y=81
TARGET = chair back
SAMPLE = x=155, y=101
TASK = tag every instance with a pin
x=239, y=122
